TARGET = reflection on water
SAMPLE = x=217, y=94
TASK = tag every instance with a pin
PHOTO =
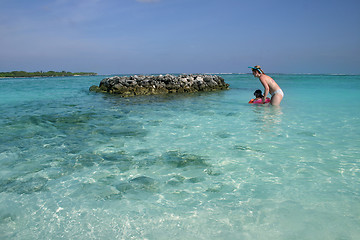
x=268, y=118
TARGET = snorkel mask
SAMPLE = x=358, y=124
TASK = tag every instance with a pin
x=255, y=68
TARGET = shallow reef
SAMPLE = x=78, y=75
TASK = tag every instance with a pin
x=161, y=84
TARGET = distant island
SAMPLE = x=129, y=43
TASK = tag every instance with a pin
x=15, y=74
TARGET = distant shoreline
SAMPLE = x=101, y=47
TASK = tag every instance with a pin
x=23, y=74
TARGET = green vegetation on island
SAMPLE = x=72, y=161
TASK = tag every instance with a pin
x=15, y=74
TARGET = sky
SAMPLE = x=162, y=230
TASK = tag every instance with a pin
x=180, y=36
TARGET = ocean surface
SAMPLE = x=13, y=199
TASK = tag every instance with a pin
x=81, y=165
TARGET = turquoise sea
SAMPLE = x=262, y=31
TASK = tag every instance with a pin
x=81, y=165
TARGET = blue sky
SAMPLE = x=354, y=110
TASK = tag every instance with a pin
x=180, y=36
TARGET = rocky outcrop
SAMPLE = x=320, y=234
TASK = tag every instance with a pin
x=148, y=85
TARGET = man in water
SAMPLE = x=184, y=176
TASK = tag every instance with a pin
x=270, y=86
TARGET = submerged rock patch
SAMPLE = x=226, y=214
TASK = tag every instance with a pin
x=180, y=160
x=150, y=85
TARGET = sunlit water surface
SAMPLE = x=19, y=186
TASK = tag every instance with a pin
x=82, y=165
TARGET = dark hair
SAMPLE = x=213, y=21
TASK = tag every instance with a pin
x=258, y=93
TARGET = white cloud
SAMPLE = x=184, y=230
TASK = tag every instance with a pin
x=77, y=12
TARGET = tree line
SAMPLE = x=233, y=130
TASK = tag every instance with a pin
x=44, y=74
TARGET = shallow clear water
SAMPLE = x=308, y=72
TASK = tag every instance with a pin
x=80, y=165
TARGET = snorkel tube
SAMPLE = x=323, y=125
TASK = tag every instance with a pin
x=255, y=68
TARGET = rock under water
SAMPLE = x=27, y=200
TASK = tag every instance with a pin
x=161, y=84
